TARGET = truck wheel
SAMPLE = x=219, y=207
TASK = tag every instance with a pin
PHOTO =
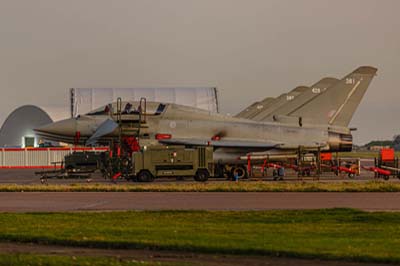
x=202, y=175
x=145, y=176
x=240, y=171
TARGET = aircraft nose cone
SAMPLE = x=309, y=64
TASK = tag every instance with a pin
x=65, y=127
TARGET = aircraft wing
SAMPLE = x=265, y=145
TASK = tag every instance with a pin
x=105, y=128
x=221, y=143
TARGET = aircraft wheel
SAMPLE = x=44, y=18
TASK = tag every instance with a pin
x=202, y=175
x=386, y=177
x=351, y=175
x=145, y=176
x=240, y=171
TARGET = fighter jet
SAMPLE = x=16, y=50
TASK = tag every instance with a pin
x=319, y=124
x=286, y=103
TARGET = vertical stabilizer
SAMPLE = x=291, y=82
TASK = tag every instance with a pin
x=254, y=108
x=278, y=102
x=302, y=99
x=336, y=106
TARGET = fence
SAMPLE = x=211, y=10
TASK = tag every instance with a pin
x=21, y=158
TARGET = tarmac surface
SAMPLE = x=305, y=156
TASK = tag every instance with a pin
x=115, y=201
x=118, y=201
x=27, y=177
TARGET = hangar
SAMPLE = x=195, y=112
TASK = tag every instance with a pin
x=17, y=129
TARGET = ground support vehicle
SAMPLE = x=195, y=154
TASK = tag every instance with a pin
x=74, y=165
x=304, y=164
x=172, y=161
x=350, y=166
x=337, y=165
x=379, y=172
x=387, y=165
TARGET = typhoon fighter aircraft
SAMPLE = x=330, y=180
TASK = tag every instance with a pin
x=317, y=121
x=286, y=102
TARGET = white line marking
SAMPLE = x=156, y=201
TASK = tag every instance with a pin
x=347, y=99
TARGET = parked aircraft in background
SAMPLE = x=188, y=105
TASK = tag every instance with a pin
x=286, y=102
x=317, y=121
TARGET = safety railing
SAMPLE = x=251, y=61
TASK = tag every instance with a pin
x=31, y=158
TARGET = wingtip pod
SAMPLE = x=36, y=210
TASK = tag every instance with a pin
x=366, y=70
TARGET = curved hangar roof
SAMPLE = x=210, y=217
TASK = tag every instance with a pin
x=20, y=124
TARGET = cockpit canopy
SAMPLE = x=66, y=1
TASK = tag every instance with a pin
x=151, y=108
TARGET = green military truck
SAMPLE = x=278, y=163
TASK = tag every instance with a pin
x=172, y=161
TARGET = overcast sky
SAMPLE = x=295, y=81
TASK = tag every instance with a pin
x=248, y=49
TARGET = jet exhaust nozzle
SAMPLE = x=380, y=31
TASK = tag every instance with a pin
x=339, y=142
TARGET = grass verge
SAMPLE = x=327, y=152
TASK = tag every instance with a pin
x=256, y=186
x=56, y=260
x=340, y=234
